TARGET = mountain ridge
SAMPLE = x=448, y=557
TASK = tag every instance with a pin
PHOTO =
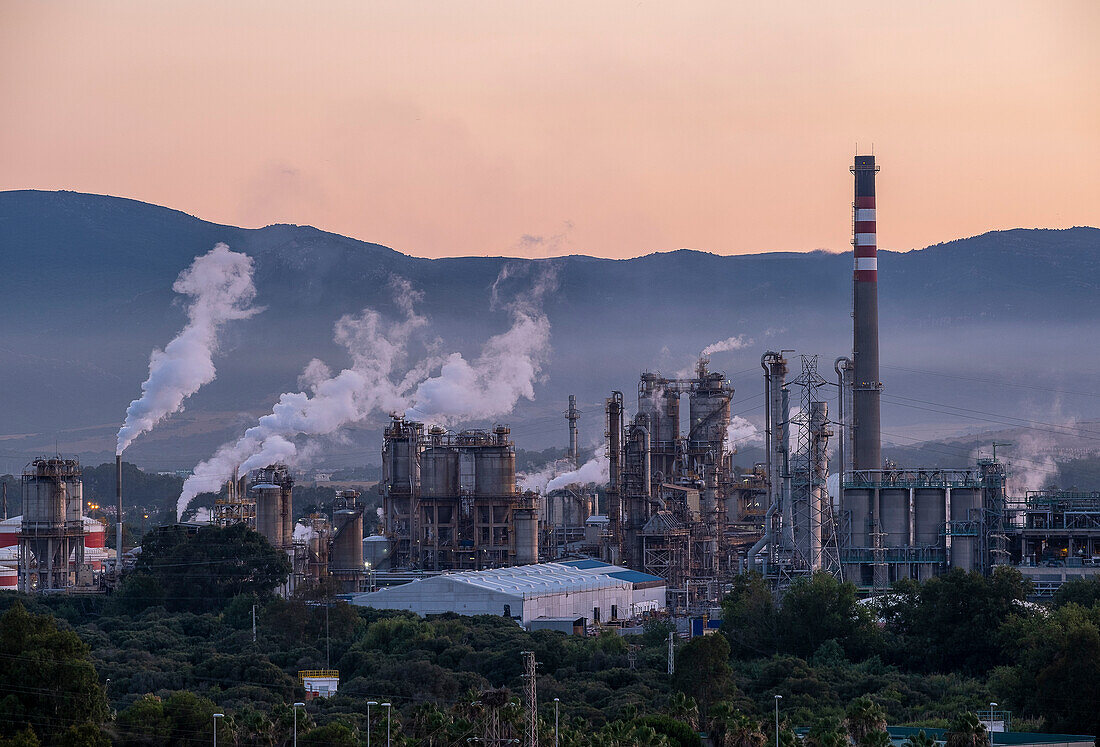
x=87, y=296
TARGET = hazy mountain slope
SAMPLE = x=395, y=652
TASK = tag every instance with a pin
x=86, y=295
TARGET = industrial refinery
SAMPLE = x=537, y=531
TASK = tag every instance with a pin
x=671, y=504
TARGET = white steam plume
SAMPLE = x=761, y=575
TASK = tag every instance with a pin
x=730, y=343
x=507, y=369
x=220, y=285
x=741, y=432
x=331, y=402
x=1035, y=467
x=594, y=470
x=538, y=480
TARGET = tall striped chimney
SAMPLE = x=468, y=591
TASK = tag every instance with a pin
x=866, y=429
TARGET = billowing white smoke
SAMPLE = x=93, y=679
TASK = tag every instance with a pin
x=594, y=470
x=741, y=432
x=331, y=402
x=220, y=285
x=507, y=369
x=539, y=479
x=730, y=343
x=490, y=386
x=303, y=533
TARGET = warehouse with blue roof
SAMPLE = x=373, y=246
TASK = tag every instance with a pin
x=531, y=594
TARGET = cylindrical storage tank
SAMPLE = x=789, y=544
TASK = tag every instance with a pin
x=525, y=522
x=74, y=503
x=930, y=507
x=95, y=534
x=286, y=511
x=9, y=578
x=857, y=504
x=894, y=515
x=439, y=472
x=965, y=503
x=9, y=531
x=43, y=501
x=269, y=511
x=399, y=463
x=376, y=551
x=347, y=543
x=495, y=471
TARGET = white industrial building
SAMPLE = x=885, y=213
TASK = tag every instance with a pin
x=566, y=590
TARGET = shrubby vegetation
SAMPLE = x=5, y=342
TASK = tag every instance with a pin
x=163, y=658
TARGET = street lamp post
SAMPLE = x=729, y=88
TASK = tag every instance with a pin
x=369, y=704
x=992, y=739
x=216, y=717
x=556, y=703
x=387, y=707
x=296, y=707
x=777, y=699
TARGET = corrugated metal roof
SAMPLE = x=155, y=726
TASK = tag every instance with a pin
x=635, y=577
x=586, y=563
x=537, y=579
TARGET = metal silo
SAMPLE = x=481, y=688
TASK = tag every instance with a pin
x=894, y=508
x=439, y=472
x=495, y=466
x=966, y=505
x=930, y=507
x=346, y=556
x=525, y=520
x=269, y=511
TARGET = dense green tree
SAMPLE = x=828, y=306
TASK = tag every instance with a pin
x=52, y=682
x=138, y=592
x=750, y=619
x=950, y=623
x=874, y=739
x=1082, y=591
x=335, y=734
x=144, y=723
x=730, y=727
x=684, y=708
x=920, y=739
x=822, y=608
x=703, y=671
x=864, y=717
x=25, y=737
x=1053, y=656
x=966, y=730
x=678, y=733
x=205, y=569
x=85, y=735
x=826, y=732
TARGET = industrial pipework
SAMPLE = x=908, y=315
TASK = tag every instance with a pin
x=866, y=388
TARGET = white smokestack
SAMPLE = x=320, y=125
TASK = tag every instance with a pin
x=220, y=285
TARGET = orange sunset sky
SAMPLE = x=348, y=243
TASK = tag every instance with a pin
x=534, y=129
